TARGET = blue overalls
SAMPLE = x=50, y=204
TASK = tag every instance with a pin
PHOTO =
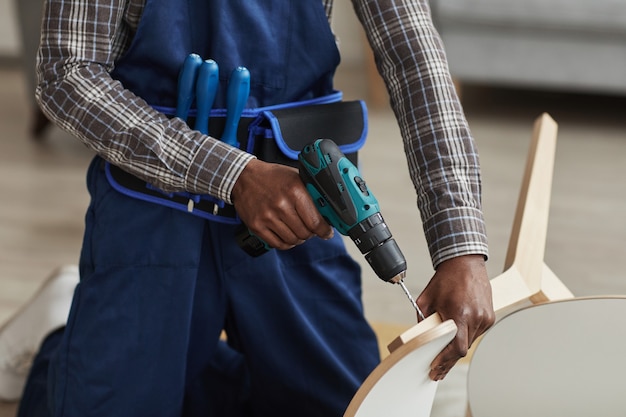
x=159, y=285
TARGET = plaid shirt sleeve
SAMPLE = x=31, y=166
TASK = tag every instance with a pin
x=80, y=43
x=442, y=156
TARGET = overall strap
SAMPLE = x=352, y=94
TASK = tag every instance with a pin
x=272, y=38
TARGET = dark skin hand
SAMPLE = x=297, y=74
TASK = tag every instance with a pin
x=459, y=290
x=273, y=202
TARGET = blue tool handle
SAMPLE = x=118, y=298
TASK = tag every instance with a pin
x=236, y=98
x=206, y=88
x=187, y=84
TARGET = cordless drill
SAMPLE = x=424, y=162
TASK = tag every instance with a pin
x=347, y=204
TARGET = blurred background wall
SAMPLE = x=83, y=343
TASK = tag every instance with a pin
x=9, y=40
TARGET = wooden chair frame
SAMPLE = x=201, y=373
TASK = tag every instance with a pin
x=526, y=279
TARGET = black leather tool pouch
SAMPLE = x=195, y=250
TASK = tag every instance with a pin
x=278, y=135
x=274, y=134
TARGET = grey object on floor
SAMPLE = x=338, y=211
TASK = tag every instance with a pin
x=566, y=45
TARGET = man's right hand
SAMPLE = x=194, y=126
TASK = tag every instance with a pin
x=273, y=203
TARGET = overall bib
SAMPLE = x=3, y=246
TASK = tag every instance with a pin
x=159, y=285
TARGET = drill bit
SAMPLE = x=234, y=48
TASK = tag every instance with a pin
x=420, y=315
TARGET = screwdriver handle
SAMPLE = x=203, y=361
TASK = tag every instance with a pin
x=206, y=89
x=236, y=98
x=186, y=85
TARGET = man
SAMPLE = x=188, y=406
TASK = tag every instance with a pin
x=158, y=285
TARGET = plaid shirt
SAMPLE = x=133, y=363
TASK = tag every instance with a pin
x=82, y=40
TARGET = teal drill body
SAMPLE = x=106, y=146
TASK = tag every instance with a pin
x=336, y=186
x=346, y=203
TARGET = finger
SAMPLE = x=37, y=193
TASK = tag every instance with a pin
x=479, y=326
x=439, y=372
x=292, y=227
x=450, y=355
x=282, y=236
x=277, y=235
x=273, y=240
x=280, y=226
x=298, y=228
x=312, y=219
x=475, y=332
x=442, y=365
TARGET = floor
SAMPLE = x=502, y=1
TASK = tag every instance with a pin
x=44, y=198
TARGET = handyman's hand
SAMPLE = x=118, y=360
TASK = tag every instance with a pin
x=459, y=290
x=273, y=202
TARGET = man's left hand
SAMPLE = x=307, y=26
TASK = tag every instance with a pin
x=459, y=290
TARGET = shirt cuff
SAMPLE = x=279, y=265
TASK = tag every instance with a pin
x=215, y=168
x=455, y=232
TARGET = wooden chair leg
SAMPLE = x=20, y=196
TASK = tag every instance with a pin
x=526, y=278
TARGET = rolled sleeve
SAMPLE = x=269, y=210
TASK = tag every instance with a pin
x=215, y=169
x=455, y=232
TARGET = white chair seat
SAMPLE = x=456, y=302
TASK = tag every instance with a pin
x=563, y=358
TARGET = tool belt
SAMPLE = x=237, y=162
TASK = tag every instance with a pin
x=274, y=134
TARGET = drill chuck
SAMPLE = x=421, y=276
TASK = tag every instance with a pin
x=374, y=240
x=370, y=233
x=387, y=262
